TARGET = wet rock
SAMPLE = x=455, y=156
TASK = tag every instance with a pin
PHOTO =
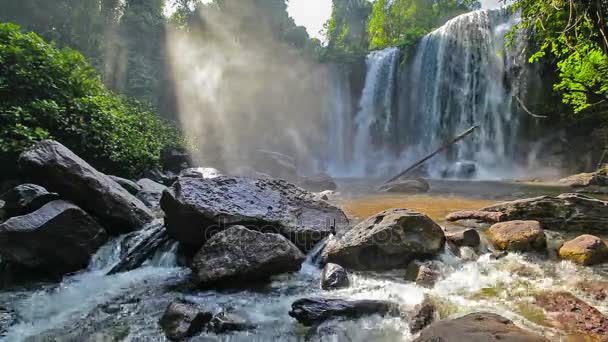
x=518, y=236
x=151, y=193
x=485, y=216
x=421, y=274
x=596, y=289
x=423, y=314
x=276, y=164
x=175, y=159
x=334, y=277
x=129, y=185
x=585, y=250
x=388, y=240
x=58, y=238
x=58, y=169
x=7, y=319
x=154, y=237
x=312, y=311
x=26, y=198
x=228, y=322
x=599, y=178
x=183, y=320
x=237, y=256
x=463, y=237
x=318, y=183
x=566, y=212
x=417, y=185
x=477, y=327
x=566, y=312
x=197, y=208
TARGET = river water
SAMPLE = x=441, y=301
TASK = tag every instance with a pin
x=91, y=306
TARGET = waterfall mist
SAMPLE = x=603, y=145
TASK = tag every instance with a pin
x=239, y=90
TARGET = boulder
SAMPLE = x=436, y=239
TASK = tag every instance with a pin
x=276, y=164
x=423, y=314
x=585, y=250
x=26, y=198
x=518, y=236
x=318, y=183
x=477, y=327
x=334, y=277
x=58, y=238
x=388, y=240
x=566, y=212
x=568, y=313
x=422, y=274
x=479, y=215
x=183, y=320
x=580, y=180
x=129, y=185
x=417, y=185
x=175, y=159
x=58, y=169
x=151, y=193
x=313, y=311
x=195, y=208
x=463, y=237
x=238, y=256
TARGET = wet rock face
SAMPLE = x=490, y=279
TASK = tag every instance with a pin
x=388, y=240
x=312, y=311
x=566, y=212
x=573, y=316
x=151, y=193
x=477, y=327
x=518, y=236
x=334, y=277
x=58, y=169
x=417, y=185
x=237, y=256
x=197, y=208
x=585, y=250
x=183, y=320
x=26, y=198
x=58, y=238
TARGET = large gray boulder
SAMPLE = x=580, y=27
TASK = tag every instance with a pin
x=151, y=193
x=25, y=198
x=313, y=311
x=477, y=327
x=238, y=255
x=129, y=185
x=58, y=238
x=388, y=240
x=58, y=169
x=195, y=208
x=566, y=212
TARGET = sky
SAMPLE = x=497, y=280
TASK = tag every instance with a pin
x=312, y=14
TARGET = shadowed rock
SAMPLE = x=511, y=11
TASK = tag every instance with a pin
x=477, y=327
x=151, y=193
x=58, y=238
x=57, y=168
x=129, y=185
x=26, y=198
x=197, y=208
x=388, y=240
x=238, y=256
x=312, y=311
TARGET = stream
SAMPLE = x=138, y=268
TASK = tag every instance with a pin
x=92, y=306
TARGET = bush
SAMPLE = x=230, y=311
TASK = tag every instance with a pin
x=48, y=93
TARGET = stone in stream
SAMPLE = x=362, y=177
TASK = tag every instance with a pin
x=463, y=237
x=566, y=212
x=227, y=322
x=477, y=327
x=183, y=320
x=568, y=313
x=58, y=169
x=417, y=185
x=422, y=274
x=196, y=208
x=423, y=314
x=26, y=198
x=388, y=240
x=313, y=311
x=7, y=319
x=155, y=236
x=237, y=256
x=334, y=277
x=151, y=193
x=129, y=185
x=58, y=238
x=518, y=236
x=585, y=250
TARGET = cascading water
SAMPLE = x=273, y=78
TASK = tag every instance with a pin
x=374, y=119
x=462, y=75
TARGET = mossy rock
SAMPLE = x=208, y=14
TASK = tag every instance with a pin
x=585, y=250
x=518, y=236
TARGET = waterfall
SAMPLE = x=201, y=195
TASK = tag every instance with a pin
x=339, y=116
x=374, y=118
x=462, y=75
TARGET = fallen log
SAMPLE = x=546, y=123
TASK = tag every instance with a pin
x=436, y=152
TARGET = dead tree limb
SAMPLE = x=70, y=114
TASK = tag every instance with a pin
x=436, y=152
